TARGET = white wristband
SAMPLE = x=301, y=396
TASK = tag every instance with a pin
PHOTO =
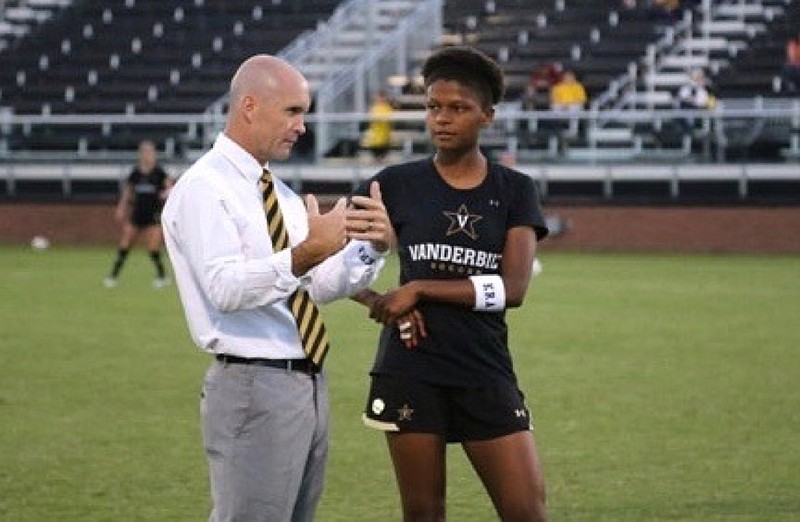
x=490, y=293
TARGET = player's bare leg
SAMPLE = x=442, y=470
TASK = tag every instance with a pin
x=154, y=241
x=510, y=470
x=420, y=468
x=129, y=235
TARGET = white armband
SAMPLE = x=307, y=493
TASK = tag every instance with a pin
x=490, y=293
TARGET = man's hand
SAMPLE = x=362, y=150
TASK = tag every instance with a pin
x=326, y=235
x=367, y=220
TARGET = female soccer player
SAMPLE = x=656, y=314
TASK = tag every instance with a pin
x=466, y=231
x=139, y=210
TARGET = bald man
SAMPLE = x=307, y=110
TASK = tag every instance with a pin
x=264, y=403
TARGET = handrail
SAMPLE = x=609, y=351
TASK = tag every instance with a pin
x=626, y=82
x=308, y=42
x=780, y=108
x=734, y=123
x=351, y=86
x=344, y=77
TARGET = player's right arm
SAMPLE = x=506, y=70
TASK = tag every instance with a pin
x=124, y=203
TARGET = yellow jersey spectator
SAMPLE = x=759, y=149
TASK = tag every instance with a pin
x=378, y=136
x=569, y=93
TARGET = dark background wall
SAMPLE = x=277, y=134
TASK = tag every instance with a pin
x=744, y=229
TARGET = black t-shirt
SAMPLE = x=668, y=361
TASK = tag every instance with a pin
x=146, y=189
x=448, y=233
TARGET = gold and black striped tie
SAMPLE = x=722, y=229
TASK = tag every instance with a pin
x=313, y=335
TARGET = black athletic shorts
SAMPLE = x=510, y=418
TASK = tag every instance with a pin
x=459, y=414
x=142, y=219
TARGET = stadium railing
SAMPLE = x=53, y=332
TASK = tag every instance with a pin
x=532, y=140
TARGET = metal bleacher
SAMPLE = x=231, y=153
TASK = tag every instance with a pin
x=130, y=57
x=81, y=83
x=720, y=38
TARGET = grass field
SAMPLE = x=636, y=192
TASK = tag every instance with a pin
x=663, y=388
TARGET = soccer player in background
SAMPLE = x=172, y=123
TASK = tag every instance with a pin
x=139, y=211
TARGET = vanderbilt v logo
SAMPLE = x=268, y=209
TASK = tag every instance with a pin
x=462, y=221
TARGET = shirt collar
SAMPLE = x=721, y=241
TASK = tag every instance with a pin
x=242, y=160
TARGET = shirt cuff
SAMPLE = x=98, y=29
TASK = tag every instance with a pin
x=287, y=281
x=367, y=253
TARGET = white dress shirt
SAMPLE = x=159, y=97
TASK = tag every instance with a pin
x=232, y=284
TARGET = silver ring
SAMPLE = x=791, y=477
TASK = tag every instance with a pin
x=405, y=335
x=404, y=326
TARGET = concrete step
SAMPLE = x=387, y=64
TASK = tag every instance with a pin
x=649, y=99
x=611, y=135
x=684, y=61
x=338, y=53
x=600, y=154
x=351, y=37
x=730, y=27
x=666, y=79
x=742, y=10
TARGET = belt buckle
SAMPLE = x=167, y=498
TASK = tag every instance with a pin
x=300, y=365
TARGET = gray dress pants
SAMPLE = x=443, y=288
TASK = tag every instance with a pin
x=266, y=439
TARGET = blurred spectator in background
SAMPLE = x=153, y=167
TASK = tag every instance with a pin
x=695, y=94
x=791, y=69
x=665, y=10
x=139, y=211
x=541, y=81
x=568, y=95
x=414, y=85
x=378, y=136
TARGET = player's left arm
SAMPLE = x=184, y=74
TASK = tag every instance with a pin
x=517, y=264
x=481, y=293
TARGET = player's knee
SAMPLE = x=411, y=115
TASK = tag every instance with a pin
x=531, y=510
x=525, y=516
x=424, y=511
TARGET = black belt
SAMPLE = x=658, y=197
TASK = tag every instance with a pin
x=294, y=365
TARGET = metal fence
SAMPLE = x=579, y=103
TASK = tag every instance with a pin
x=610, y=146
